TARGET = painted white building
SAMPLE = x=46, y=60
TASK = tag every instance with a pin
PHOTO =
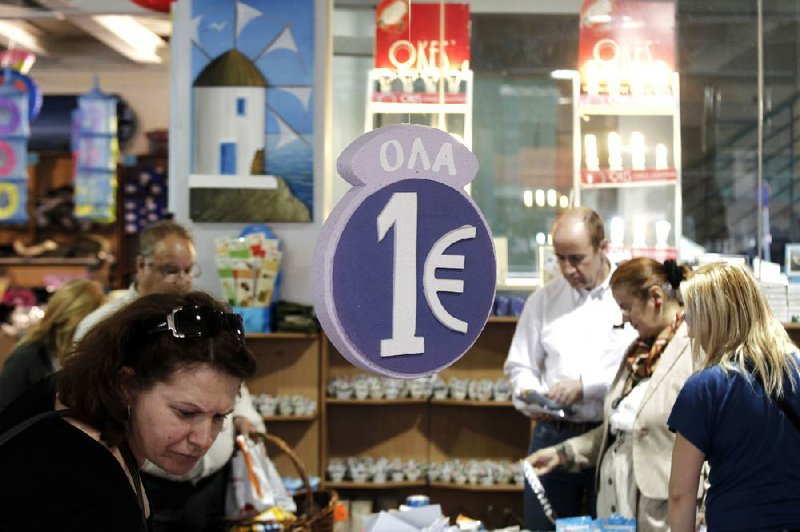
x=229, y=116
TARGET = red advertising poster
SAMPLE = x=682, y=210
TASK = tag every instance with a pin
x=627, y=48
x=415, y=38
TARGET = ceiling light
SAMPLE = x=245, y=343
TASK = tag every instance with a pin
x=131, y=38
x=17, y=35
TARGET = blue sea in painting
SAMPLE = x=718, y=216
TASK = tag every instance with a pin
x=294, y=163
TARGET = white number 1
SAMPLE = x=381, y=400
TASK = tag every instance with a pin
x=401, y=212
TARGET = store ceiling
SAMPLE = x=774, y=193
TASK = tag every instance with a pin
x=68, y=36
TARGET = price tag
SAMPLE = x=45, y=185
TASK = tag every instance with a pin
x=404, y=269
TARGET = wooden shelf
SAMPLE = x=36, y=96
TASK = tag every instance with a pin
x=503, y=319
x=376, y=485
x=283, y=336
x=49, y=261
x=375, y=402
x=288, y=418
x=471, y=403
x=435, y=430
x=31, y=272
x=289, y=364
x=476, y=487
x=630, y=109
x=445, y=402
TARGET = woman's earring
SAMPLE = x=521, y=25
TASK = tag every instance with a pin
x=658, y=305
x=129, y=412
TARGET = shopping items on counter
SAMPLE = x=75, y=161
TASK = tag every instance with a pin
x=315, y=509
x=255, y=486
x=615, y=523
x=249, y=272
x=424, y=518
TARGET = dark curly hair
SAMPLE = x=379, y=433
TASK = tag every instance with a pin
x=89, y=383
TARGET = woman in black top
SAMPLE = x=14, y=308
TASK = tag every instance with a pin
x=155, y=382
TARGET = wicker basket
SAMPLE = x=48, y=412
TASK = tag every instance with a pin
x=314, y=509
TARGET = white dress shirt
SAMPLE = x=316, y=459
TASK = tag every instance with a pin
x=222, y=448
x=566, y=334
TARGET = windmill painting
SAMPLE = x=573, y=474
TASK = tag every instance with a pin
x=252, y=112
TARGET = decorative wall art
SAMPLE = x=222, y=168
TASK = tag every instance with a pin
x=252, y=112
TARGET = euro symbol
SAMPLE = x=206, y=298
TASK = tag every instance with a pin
x=432, y=285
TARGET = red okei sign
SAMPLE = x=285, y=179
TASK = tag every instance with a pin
x=626, y=48
x=414, y=39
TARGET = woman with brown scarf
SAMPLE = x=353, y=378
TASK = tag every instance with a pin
x=632, y=448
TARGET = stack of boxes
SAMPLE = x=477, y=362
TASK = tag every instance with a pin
x=793, y=298
x=777, y=298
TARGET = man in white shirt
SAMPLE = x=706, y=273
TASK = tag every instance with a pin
x=568, y=345
x=166, y=263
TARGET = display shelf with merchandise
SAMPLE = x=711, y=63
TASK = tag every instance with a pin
x=375, y=402
x=289, y=364
x=445, y=104
x=431, y=430
x=281, y=419
x=389, y=485
x=471, y=403
x=627, y=166
x=477, y=487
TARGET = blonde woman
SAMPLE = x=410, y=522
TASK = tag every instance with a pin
x=44, y=347
x=740, y=412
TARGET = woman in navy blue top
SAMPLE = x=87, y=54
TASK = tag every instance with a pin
x=738, y=412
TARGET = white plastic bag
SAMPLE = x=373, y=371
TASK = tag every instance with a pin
x=255, y=484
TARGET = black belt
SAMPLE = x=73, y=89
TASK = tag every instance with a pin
x=561, y=423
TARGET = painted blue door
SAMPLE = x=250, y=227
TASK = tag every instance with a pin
x=227, y=158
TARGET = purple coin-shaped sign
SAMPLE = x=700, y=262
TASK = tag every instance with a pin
x=404, y=269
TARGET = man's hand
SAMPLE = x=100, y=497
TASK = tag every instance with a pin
x=541, y=416
x=545, y=460
x=566, y=392
x=243, y=426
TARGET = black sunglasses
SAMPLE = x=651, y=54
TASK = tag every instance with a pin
x=201, y=321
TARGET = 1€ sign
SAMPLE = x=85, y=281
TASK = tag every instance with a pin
x=404, y=269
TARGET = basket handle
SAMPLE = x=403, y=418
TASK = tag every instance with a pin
x=301, y=469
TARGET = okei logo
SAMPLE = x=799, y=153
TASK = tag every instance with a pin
x=404, y=269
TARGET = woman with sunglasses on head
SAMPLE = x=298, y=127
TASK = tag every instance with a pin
x=741, y=413
x=153, y=382
x=631, y=449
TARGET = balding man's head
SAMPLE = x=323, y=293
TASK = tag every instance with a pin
x=580, y=246
x=572, y=218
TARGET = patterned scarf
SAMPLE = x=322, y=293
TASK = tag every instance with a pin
x=643, y=355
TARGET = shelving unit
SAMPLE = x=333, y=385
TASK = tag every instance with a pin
x=635, y=174
x=289, y=364
x=431, y=430
x=50, y=175
x=443, y=108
